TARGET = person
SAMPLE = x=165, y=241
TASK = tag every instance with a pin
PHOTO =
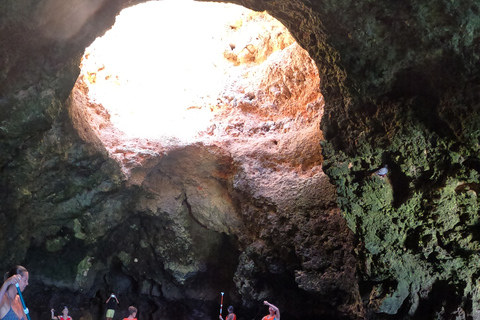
x=111, y=306
x=11, y=307
x=64, y=315
x=274, y=313
x=230, y=316
x=132, y=313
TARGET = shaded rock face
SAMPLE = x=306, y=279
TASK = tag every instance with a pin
x=400, y=87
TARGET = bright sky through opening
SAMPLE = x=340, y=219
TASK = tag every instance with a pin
x=161, y=67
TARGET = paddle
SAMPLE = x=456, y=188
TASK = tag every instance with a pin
x=25, y=309
x=221, y=304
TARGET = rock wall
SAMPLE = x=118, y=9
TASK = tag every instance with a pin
x=400, y=86
x=410, y=106
x=166, y=229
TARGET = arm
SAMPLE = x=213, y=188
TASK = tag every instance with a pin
x=12, y=280
x=4, y=304
x=53, y=315
x=108, y=300
x=277, y=311
x=117, y=300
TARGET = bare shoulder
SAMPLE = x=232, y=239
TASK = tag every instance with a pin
x=4, y=308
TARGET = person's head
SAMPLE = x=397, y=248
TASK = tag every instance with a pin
x=65, y=311
x=22, y=272
x=132, y=311
x=230, y=309
x=272, y=311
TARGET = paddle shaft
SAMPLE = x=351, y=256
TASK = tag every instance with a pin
x=221, y=304
x=25, y=309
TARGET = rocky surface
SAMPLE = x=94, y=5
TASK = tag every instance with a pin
x=169, y=228
x=242, y=207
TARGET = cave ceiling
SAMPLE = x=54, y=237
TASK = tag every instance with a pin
x=299, y=216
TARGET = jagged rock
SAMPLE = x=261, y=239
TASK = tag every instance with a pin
x=248, y=209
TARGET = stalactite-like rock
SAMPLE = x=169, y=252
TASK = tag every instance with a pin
x=400, y=86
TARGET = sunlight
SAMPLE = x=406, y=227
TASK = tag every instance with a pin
x=161, y=68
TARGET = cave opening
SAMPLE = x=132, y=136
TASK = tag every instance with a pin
x=214, y=111
x=175, y=73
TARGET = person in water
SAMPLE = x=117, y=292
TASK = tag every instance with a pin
x=112, y=303
x=230, y=316
x=11, y=307
x=274, y=313
x=132, y=313
x=64, y=315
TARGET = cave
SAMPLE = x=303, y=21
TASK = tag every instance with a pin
x=278, y=197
